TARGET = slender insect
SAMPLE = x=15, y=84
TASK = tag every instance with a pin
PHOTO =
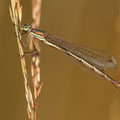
x=95, y=60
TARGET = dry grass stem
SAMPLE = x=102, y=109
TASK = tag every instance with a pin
x=35, y=69
x=16, y=17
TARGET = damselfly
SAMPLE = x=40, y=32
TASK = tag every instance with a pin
x=95, y=60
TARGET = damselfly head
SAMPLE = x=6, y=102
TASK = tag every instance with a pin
x=26, y=28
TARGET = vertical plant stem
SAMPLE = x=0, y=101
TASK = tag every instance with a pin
x=16, y=16
x=35, y=69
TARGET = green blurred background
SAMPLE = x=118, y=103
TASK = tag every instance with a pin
x=69, y=93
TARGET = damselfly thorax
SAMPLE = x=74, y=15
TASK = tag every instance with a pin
x=95, y=60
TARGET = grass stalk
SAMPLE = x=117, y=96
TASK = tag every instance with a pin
x=35, y=69
x=16, y=17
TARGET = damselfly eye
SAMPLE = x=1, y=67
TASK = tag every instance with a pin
x=26, y=27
